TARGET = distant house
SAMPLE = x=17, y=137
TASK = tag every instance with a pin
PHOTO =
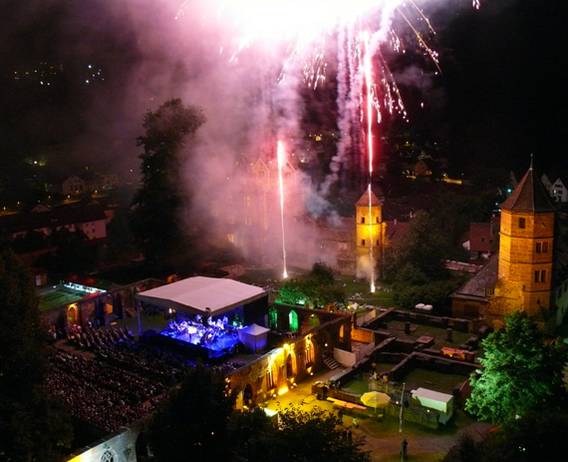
x=91, y=219
x=482, y=238
x=73, y=186
x=557, y=188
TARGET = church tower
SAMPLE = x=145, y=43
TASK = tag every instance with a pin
x=369, y=233
x=525, y=250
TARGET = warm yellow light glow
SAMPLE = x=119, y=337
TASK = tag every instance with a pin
x=283, y=390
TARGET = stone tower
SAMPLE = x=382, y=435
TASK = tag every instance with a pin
x=525, y=250
x=369, y=233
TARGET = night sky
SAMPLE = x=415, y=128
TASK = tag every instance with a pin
x=497, y=100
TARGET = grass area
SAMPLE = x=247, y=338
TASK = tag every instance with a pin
x=433, y=380
x=54, y=298
x=259, y=276
x=360, y=288
x=418, y=330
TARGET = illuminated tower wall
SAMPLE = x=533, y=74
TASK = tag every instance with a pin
x=369, y=232
x=526, y=250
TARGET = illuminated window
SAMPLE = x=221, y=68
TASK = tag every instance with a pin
x=293, y=319
x=522, y=223
x=273, y=318
x=269, y=378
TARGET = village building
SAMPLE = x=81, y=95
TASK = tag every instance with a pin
x=521, y=275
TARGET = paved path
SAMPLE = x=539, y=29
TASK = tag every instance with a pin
x=382, y=438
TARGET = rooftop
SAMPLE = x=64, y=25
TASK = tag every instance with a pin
x=478, y=285
x=202, y=294
x=364, y=199
x=528, y=196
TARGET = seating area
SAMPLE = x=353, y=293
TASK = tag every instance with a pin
x=97, y=338
x=111, y=380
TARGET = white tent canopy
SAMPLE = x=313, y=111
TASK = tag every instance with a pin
x=198, y=294
x=254, y=337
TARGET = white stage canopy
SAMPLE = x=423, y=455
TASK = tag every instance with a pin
x=198, y=293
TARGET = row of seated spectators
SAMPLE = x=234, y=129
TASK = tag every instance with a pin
x=122, y=382
x=93, y=338
x=105, y=396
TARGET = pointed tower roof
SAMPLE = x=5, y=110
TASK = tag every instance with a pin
x=529, y=195
x=364, y=199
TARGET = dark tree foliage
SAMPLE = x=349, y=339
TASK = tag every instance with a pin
x=316, y=288
x=192, y=424
x=120, y=240
x=414, y=266
x=31, y=428
x=421, y=252
x=74, y=253
x=539, y=436
x=300, y=436
x=521, y=372
x=157, y=206
x=32, y=241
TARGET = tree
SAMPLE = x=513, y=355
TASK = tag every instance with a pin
x=520, y=372
x=421, y=251
x=537, y=436
x=192, y=424
x=157, y=205
x=317, y=288
x=299, y=436
x=120, y=241
x=32, y=428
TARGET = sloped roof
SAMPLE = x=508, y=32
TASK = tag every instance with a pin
x=528, y=196
x=54, y=218
x=485, y=279
x=255, y=330
x=197, y=294
x=364, y=199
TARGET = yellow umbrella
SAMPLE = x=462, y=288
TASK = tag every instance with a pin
x=375, y=399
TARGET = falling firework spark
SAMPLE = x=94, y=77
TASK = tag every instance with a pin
x=281, y=161
x=369, y=85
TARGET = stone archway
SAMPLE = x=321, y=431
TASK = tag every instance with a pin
x=289, y=367
x=72, y=314
x=248, y=395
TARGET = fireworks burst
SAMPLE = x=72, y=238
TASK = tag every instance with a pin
x=298, y=35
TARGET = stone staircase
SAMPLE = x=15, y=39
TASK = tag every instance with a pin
x=331, y=363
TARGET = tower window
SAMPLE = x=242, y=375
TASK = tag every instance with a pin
x=539, y=247
x=362, y=242
x=377, y=243
x=362, y=220
x=522, y=223
x=545, y=247
x=540, y=276
x=377, y=219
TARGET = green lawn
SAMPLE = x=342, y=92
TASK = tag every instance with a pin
x=352, y=287
x=57, y=297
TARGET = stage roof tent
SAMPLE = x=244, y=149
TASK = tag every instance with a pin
x=195, y=294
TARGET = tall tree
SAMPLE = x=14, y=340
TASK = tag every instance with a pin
x=521, y=372
x=156, y=209
x=192, y=424
x=538, y=436
x=30, y=427
x=300, y=436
